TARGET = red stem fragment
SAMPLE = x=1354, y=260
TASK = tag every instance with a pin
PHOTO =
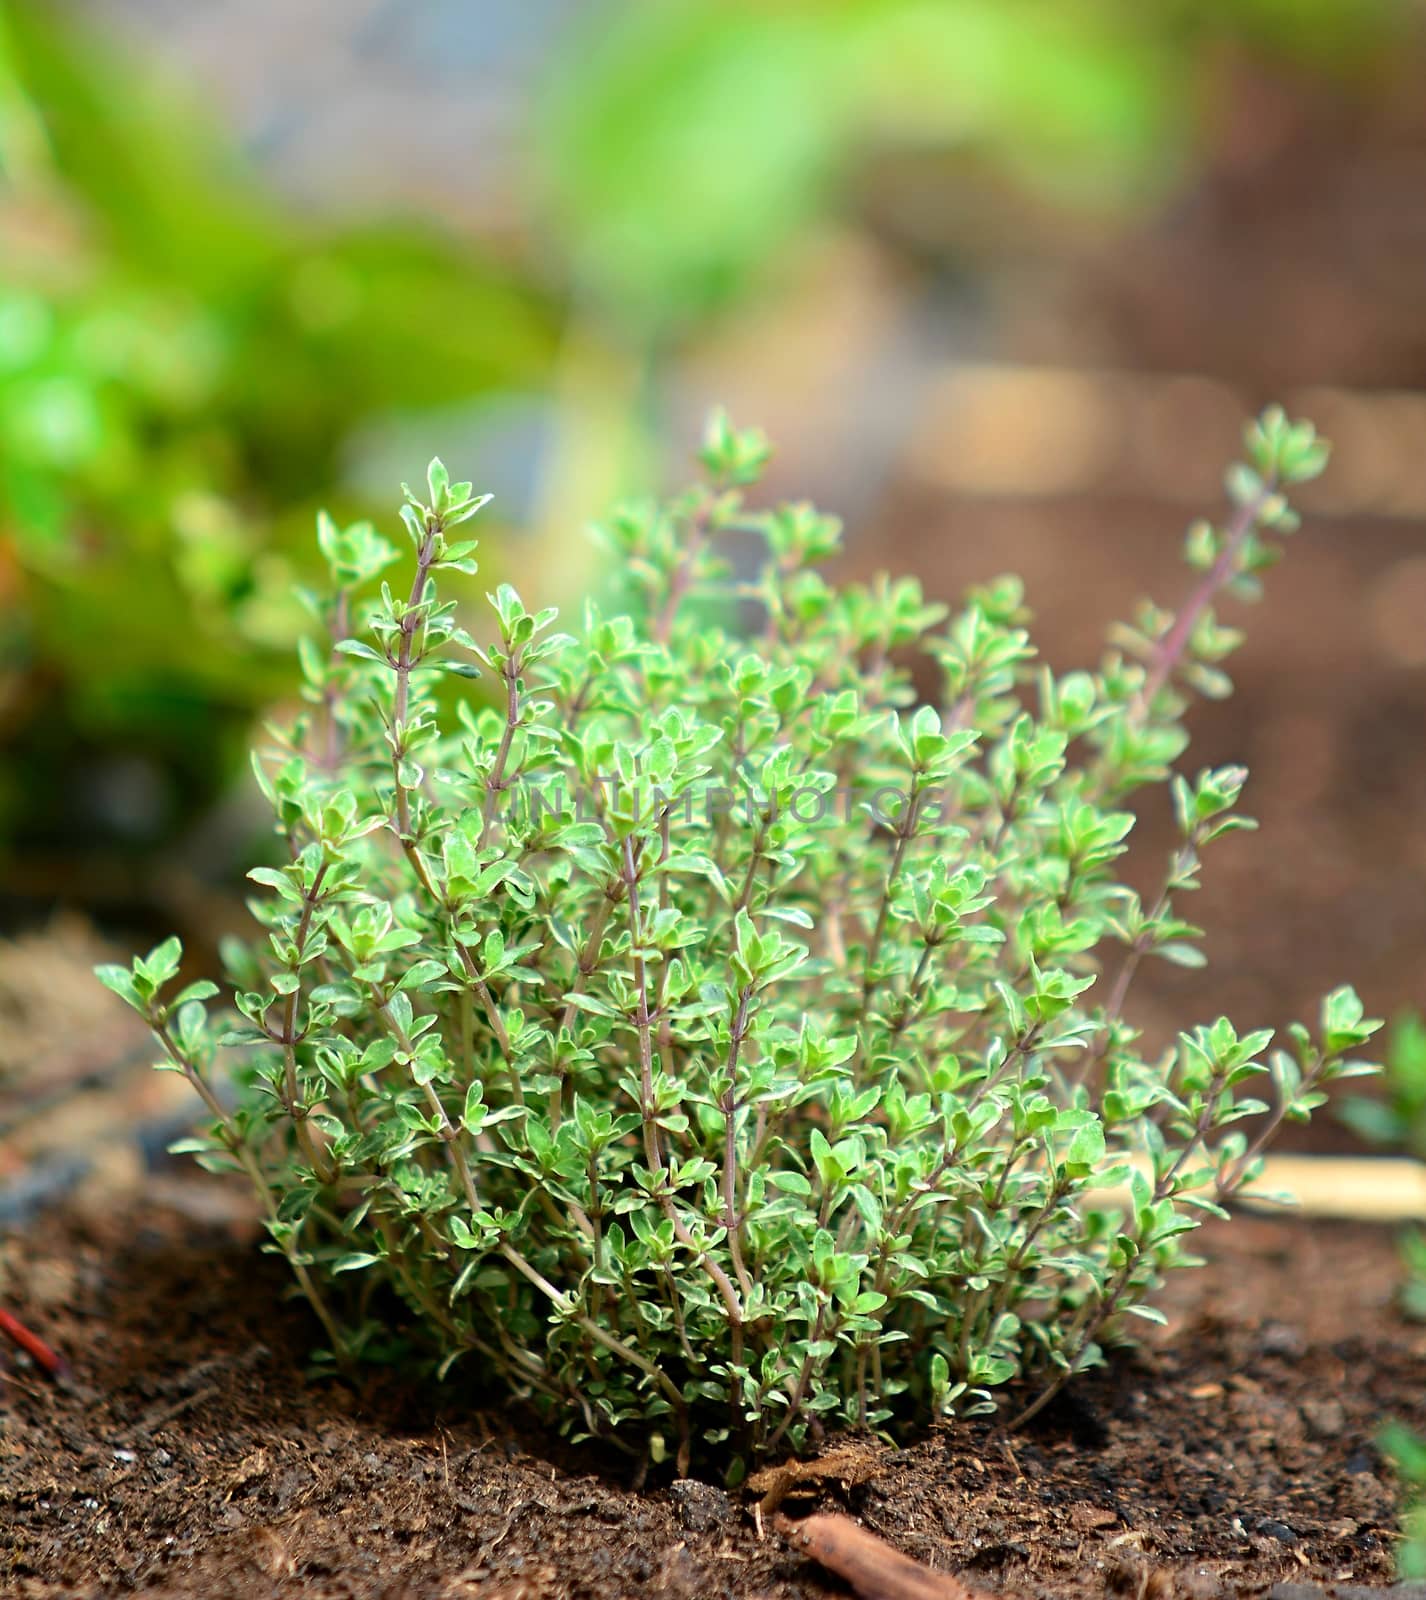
x=33, y=1346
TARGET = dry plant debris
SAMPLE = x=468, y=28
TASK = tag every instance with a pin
x=875, y=1569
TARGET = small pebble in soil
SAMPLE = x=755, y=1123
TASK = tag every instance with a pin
x=1201, y=1584
x=1325, y=1419
x=1277, y=1530
x=700, y=1506
x=1281, y=1339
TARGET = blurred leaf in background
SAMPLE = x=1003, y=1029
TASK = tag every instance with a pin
x=182, y=367
x=684, y=145
x=687, y=143
x=1397, y=1118
x=689, y=154
x=188, y=369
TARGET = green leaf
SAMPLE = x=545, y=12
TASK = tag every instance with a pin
x=364, y=652
x=161, y=963
x=120, y=980
x=354, y=1261
x=202, y=989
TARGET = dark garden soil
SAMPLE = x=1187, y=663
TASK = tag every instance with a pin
x=188, y=1456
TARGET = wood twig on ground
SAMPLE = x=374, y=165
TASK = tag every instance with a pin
x=875, y=1569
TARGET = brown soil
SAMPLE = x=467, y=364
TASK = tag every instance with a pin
x=1333, y=888
x=189, y=1456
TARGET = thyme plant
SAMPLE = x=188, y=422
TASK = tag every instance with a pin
x=699, y=1034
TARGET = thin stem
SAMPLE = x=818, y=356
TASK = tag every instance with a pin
x=591, y=1327
x=297, y=1111
x=729, y=1184
x=794, y=1404
x=286, y=1239
x=448, y=1132
x=497, y=782
x=588, y=958
x=493, y=1017
x=588, y=964
x=331, y=699
x=683, y=574
x=906, y=1011
x=904, y=834
x=1170, y=649
x=642, y=1020
x=1232, y=1180
x=648, y=1111
x=1109, y=1298
x=1183, y=862
x=410, y=623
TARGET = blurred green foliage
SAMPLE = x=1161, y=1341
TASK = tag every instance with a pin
x=685, y=143
x=185, y=365
x=181, y=366
x=690, y=156
x=1407, y=1453
x=1398, y=1118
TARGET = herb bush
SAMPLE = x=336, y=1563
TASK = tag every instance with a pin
x=703, y=1036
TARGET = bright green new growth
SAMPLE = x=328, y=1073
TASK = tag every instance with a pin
x=704, y=1038
x=1407, y=1453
